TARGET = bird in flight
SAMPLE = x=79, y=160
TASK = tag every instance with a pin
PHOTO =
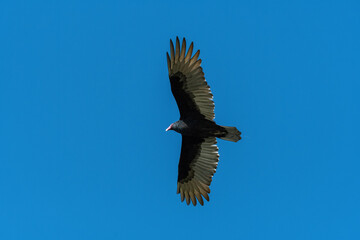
x=199, y=154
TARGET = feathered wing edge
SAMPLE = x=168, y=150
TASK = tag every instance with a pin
x=195, y=83
x=202, y=168
x=178, y=55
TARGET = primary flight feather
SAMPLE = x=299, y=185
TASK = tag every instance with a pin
x=199, y=154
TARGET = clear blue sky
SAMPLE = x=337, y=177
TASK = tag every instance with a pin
x=85, y=100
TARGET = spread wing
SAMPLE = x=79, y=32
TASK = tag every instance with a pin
x=188, y=85
x=198, y=161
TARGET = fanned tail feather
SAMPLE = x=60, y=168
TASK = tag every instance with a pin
x=232, y=134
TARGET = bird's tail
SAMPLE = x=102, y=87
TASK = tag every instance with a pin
x=232, y=134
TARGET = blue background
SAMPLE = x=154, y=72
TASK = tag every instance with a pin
x=85, y=99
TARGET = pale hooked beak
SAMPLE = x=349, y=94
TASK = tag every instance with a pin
x=169, y=128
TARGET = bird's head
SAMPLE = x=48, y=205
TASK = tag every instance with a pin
x=170, y=127
x=178, y=126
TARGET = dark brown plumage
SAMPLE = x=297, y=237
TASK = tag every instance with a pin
x=199, y=153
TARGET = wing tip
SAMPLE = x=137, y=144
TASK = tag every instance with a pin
x=193, y=192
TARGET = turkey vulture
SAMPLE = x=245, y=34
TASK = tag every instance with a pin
x=199, y=154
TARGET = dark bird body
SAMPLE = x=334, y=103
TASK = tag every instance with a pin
x=197, y=127
x=199, y=153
